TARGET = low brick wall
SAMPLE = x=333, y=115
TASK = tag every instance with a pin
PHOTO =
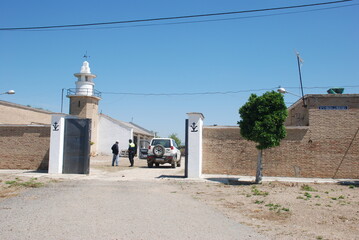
x=301, y=154
x=24, y=147
x=13, y=113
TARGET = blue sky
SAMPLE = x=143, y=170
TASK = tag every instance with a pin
x=244, y=55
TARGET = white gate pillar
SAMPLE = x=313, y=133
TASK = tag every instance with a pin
x=195, y=126
x=56, y=144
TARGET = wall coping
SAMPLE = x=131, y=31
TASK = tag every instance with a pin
x=15, y=105
x=297, y=127
x=219, y=126
x=287, y=127
x=25, y=125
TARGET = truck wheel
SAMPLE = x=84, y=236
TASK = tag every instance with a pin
x=173, y=164
x=150, y=164
x=158, y=151
x=157, y=164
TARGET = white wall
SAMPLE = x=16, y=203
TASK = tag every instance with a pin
x=109, y=132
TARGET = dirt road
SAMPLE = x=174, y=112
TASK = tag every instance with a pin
x=115, y=203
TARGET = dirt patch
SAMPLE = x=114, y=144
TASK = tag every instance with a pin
x=285, y=210
x=11, y=185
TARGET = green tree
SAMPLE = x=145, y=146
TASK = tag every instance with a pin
x=262, y=121
x=175, y=137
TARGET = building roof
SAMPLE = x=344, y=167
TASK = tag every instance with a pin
x=15, y=105
x=308, y=96
x=136, y=129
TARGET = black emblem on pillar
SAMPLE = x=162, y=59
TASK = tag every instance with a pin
x=194, y=126
x=56, y=126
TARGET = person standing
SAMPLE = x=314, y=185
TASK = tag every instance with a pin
x=131, y=152
x=115, y=152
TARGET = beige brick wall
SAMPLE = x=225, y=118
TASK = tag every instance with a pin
x=18, y=114
x=297, y=115
x=226, y=152
x=84, y=106
x=327, y=148
x=24, y=147
x=301, y=154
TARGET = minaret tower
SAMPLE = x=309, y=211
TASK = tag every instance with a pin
x=84, y=101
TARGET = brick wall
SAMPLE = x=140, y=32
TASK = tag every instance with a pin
x=17, y=114
x=297, y=115
x=301, y=154
x=24, y=147
x=327, y=148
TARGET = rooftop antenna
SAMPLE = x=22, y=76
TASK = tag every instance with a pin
x=300, y=62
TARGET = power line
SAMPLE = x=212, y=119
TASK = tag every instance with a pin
x=188, y=94
x=173, y=18
x=218, y=92
x=196, y=21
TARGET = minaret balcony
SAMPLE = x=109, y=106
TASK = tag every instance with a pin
x=83, y=92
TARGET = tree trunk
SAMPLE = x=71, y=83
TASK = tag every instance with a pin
x=259, y=167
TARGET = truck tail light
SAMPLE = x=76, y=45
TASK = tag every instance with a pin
x=172, y=148
x=149, y=147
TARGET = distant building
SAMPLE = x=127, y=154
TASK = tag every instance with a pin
x=322, y=141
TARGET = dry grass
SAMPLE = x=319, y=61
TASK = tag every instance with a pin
x=11, y=186
x=285, y=210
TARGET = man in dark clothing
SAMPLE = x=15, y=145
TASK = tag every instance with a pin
x=115, y=152
x=131, y=152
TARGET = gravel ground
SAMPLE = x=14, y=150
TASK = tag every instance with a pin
x=158, y=203
x=96, y=209
x=111, y=203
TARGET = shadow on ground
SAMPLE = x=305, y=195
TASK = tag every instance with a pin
x=349, y=183
x=165, y=167
x=170, y=176
x=36, y=171
x=231, y=181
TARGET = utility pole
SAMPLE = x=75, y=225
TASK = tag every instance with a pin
x=62, y=98
x=299, y=60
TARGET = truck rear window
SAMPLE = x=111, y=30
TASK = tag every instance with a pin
x=164, y=142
